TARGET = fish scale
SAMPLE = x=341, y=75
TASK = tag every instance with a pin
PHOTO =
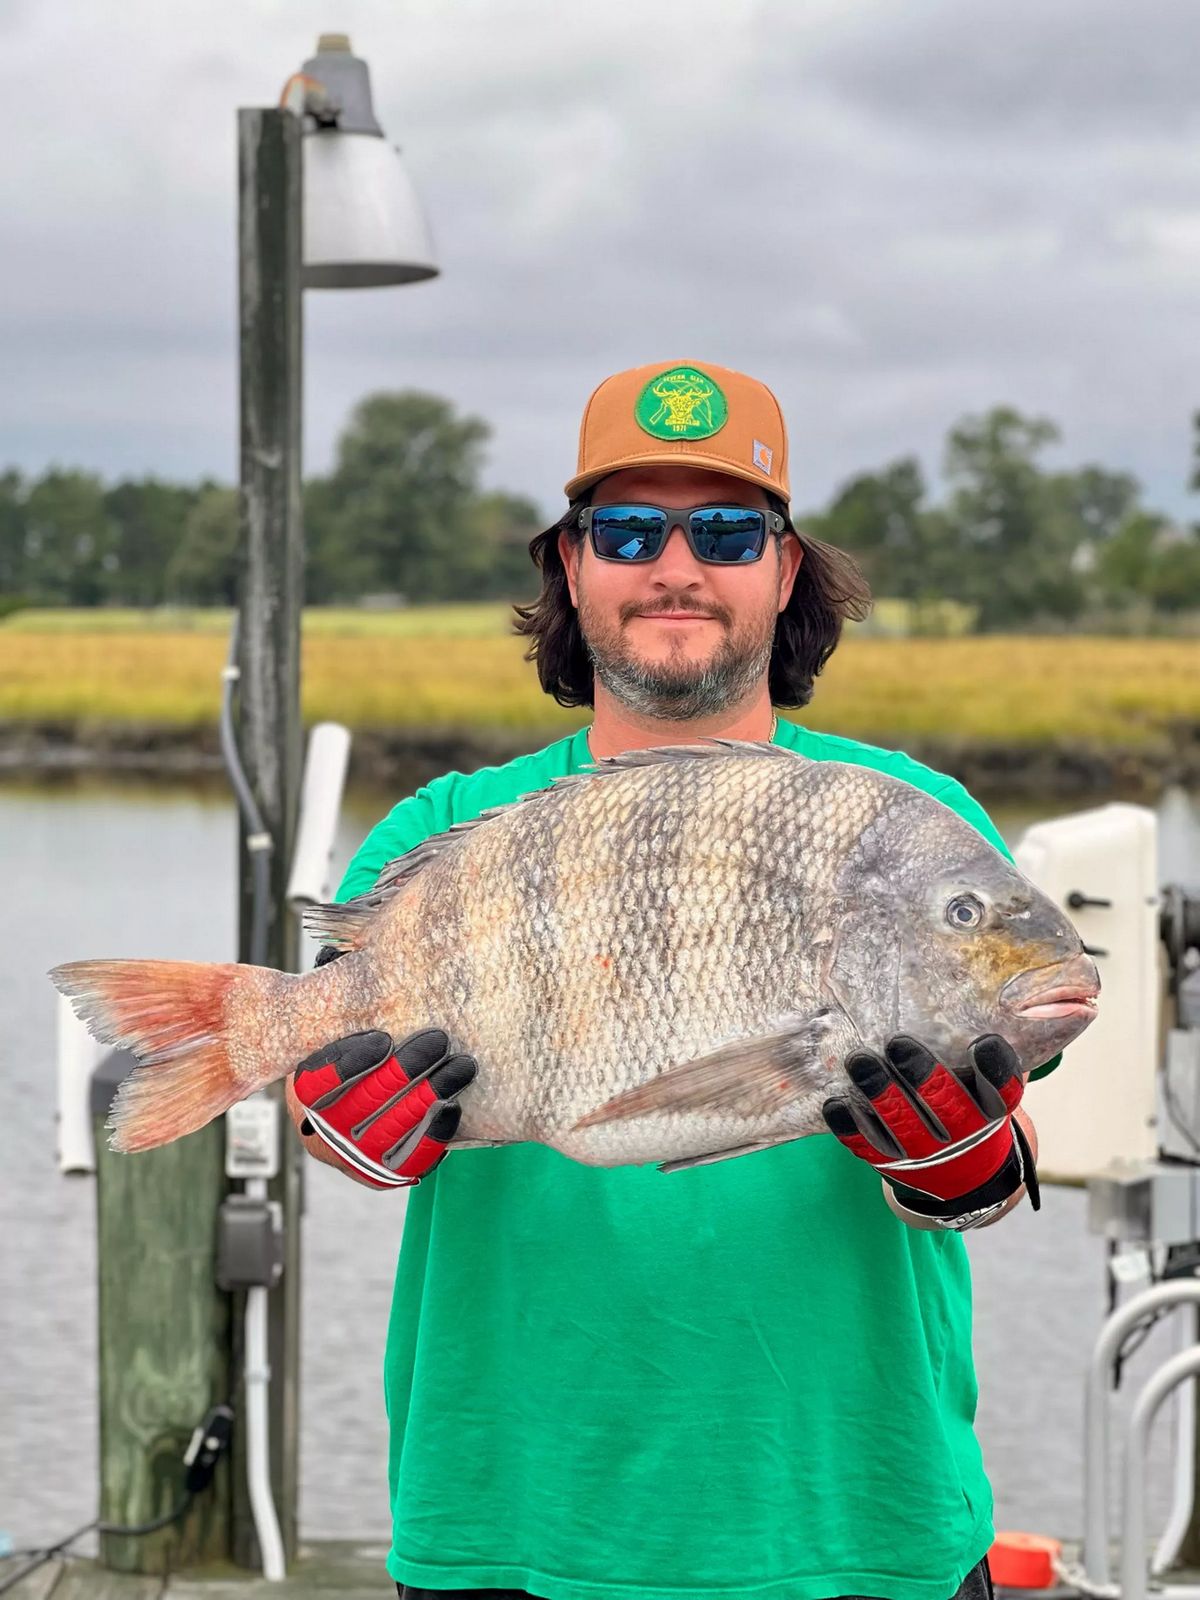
x=667, y=959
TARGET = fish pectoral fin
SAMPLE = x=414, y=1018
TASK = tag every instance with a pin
x=716, y=1155
x=751, y=1076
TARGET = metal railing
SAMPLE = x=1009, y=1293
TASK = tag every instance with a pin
x=1177, y=1370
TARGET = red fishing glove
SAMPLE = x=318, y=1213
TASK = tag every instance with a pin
x=387, y=1110
x=946, y=1141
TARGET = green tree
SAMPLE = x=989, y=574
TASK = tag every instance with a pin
x=1173, y=582
x=1098, y=501
x=497, y=563
x=12, y=536
x=149, y=518
x=879, y=518
x=70, y=540
x=330, y=572
x=1123, y=562
x=395, y=514
x=203, y=570
x=1016, y=542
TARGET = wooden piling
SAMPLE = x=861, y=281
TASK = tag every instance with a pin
x=163, y=1338
x=270, y=599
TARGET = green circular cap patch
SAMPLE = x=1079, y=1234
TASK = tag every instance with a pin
x=681, y=403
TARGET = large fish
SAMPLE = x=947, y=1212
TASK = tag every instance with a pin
x=666, y=959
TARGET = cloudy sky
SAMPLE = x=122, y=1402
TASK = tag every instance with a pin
x=894, y=211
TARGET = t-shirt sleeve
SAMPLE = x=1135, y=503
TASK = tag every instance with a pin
x=953, y=794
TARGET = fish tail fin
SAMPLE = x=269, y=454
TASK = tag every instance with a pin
x=172, y=1016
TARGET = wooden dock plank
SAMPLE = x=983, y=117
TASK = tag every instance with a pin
x=260, y=1589
x=87, y=1580
x=40, y=1582
x=349, y=1570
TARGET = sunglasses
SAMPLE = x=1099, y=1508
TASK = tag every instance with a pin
x=723, y=536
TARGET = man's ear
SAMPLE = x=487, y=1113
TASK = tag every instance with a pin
x=569, y=552
x=791, y=554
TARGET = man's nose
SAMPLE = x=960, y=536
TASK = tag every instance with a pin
x=677, y=567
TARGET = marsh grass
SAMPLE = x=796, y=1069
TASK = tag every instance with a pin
x=457, y=667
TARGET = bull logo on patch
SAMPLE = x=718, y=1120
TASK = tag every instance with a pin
x=681, y=403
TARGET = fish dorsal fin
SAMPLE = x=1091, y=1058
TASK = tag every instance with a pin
x=703, y=750
x=346, y=925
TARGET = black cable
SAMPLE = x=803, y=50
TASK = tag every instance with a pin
x=210, y=1440
x=1134, y=1340
x=135, y=1530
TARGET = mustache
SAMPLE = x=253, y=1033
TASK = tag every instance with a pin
x=653, y=608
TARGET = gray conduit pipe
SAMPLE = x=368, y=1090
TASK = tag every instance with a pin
x=1095, y=1414
x=257, y=1365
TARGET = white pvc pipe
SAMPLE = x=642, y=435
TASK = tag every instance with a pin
x=78, y=1057
x=1183, y=1498
x=325, y=764
x=1134, y=1575
x=258, y=1436
x=1095, y=1414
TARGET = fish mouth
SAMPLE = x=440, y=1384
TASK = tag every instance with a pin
x=1063, y=989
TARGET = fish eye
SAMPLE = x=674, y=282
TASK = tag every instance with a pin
x=964, y=911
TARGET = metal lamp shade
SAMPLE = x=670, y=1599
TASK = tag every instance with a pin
x=363, y=224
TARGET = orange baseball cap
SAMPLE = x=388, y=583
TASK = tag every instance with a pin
x=698, y=413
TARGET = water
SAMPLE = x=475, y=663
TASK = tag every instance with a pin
x=127, y=871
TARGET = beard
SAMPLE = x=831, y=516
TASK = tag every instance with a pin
x=678, y=689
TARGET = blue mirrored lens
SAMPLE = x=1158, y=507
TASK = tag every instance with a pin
x=728, y=533
x=628, y=533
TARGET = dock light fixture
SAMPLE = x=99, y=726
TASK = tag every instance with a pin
x=363, y=223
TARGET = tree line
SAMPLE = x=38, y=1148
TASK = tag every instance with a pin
x=1025, y=547
x=403, y=513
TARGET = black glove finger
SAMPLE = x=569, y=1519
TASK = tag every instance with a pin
x=914, y=1064
x=997, y=1073
x=421, y=1050
x=440, y=1123
x=838, y=1119
x=848, y=1116
x=881, y=1082
x=350, y=1057
x=446, y=1078
x=452, y=1076
x=420, y=1055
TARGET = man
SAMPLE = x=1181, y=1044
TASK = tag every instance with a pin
x=751, y=1378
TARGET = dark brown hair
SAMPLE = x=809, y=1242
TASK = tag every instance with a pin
x=829, y=588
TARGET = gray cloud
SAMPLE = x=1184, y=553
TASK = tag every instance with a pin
x=893, y=214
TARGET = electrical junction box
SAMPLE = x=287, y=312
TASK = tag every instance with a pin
x=249, y=1243
x=1151, y=1204
x=1100, y=1107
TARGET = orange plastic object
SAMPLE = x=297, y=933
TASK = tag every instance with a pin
x=1024, y=1561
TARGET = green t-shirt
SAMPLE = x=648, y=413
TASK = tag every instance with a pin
x=746, y=1379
